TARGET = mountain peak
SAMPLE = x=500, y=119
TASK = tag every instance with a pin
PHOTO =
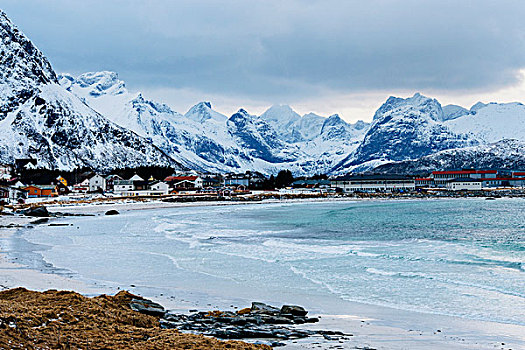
x=416, y=105
x=335, y=117
x=282, y=115
x=203, y=111
x=284, y=120
x=21, y=61
x=139, y=103
x=477, y=106
x=360, y=125
x=451, y=112
x=333, y=121
x=243, y=112
x=101, y=83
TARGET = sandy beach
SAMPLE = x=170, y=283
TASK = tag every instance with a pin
x=371, y=326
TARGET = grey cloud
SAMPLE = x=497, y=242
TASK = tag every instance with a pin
x=283, y=49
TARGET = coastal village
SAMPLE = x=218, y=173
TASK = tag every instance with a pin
x=16, y=188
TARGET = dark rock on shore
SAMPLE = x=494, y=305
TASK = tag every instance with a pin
x=261, y=308
x=112, y=212
x=37, y=211
x=147, y=307
x=293, y=310
x=261, y=321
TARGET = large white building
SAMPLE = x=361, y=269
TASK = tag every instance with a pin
x=441, y=178
x=465, y=184
x=373, y=183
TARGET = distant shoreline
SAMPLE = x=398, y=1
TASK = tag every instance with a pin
x=257, y=197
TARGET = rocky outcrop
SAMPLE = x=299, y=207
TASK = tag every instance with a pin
x=259, y=321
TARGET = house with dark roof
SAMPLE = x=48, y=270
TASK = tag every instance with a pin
x=184, y=182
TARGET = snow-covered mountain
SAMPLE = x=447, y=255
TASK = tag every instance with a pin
x=93, y=120
x=40, y=119
x=504, y=154
x=207, y=140
x=405, y=129
x=454, y=111
x=402, y=129
x=492, y=122
x=285, y=121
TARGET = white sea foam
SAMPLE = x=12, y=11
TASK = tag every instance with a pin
x=457, y=265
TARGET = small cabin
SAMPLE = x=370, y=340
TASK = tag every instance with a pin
x=38, y=191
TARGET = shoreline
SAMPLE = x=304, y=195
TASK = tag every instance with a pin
x=372, y=326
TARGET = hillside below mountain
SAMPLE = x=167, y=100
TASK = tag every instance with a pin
x=505, y=154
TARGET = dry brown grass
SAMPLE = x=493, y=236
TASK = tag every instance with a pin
x=68, y=320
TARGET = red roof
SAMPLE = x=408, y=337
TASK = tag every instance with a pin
x=180, y=178
x=518, y=173
x=463, y=172
x=424, y=179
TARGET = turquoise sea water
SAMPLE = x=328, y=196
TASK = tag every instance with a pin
x=454, y=257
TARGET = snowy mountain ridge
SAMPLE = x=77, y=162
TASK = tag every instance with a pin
x=40, y=119
x=416, y=127
x=504, y=154
x=94, y=120
x=207, y=140
x=402, y=129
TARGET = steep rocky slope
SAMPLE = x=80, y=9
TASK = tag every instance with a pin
x=40, y=119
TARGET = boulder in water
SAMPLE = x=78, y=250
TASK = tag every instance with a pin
x=112, y=212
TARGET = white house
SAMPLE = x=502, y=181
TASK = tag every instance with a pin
x=199, y=182
x=159, y=187
x=122, y=186
x=97, y=183
x=465, y=184
x=12, y=195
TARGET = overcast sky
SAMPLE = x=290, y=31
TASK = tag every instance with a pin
x=324, y=56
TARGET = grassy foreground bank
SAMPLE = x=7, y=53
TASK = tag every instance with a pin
x=68, y=320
